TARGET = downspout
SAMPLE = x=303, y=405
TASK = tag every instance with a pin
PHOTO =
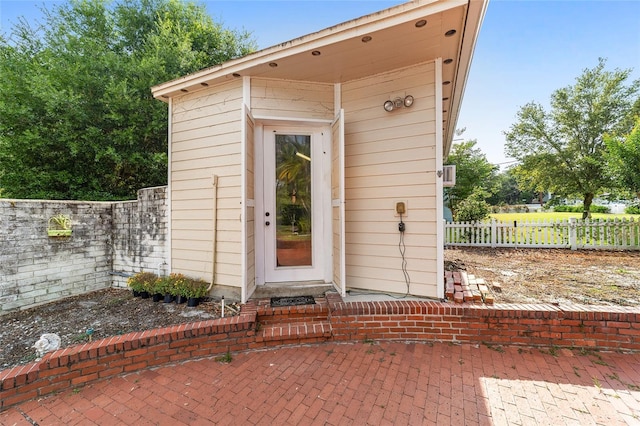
x=215, y=231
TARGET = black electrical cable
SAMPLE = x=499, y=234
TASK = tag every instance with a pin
x=403, y=249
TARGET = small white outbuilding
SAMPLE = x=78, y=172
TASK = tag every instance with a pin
x=297, y=163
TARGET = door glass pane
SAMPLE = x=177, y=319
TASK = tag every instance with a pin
x=293, y=200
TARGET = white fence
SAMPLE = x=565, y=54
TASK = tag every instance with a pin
x=615, y=234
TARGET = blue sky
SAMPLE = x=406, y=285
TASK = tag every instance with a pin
x=526, y=49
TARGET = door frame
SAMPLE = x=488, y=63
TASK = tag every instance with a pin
x=321, y=175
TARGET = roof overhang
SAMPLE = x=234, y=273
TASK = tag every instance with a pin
x=387, y=40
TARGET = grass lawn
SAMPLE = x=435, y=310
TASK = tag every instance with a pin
x=555, y=216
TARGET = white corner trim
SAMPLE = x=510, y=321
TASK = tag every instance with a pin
x=169, y=203
x=439, y=187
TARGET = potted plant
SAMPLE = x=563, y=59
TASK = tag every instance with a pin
x=59, y=226
x=164, y=287
x=141, y=283
x=195, y=289
x=179, y=287
x=155, y=289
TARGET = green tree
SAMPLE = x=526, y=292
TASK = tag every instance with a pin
x=473, y=208
x=562, y=150
x=507, y=190
x=623, y=159
x=473, y=170
x=77, y=118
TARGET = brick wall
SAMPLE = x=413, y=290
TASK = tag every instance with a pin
x=140, y=235
x=609, y=328
x=602, y=327
x=107, y=237
x=81, y=364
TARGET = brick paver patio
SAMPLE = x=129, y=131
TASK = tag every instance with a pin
x=361, y=383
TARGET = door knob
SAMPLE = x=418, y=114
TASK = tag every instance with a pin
x=267, y=214
x=267, y=223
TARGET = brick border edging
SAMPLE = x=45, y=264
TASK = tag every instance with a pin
x=610, y=328
x=105, y=358
x=602, y=327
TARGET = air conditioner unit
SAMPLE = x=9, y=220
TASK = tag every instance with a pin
x=449, y=176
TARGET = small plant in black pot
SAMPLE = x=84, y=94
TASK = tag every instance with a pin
x=156, y=290
x=141, y=283
x=164, y=287
x=179, y=287
x=194, y=290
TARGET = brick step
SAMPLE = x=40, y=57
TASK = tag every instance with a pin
x=294, y=333
x=267, y=315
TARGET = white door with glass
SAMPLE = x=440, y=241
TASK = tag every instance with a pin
x=296, y=204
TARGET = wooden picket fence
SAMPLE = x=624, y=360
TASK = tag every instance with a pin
x=607, y=234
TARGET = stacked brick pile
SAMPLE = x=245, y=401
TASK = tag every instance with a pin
x=461, y=287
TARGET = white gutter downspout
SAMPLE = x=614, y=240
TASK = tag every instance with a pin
x=214, y=181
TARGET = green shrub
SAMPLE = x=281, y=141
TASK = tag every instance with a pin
x=600, y=209
x=473, y=208
x=163, y=285
x=142, y=281
x=579, y=209
x=633, y=209
x=195, y=288
x=178, y=284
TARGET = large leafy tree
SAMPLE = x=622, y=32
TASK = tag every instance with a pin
x=507, y=191
x=562, y=150
x=77, y=119
x=623, y=159
x=473, y=171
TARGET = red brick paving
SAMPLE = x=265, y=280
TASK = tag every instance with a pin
x=361, y=383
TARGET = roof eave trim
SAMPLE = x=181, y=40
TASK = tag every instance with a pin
x=355, y=28
x=475, y=15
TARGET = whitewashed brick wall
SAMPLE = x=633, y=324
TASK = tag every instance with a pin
x=109, y=241
x=139, y=235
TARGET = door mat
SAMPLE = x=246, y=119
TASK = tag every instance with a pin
x=292, y=301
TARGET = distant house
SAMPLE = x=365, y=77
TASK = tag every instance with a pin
x=297, y=163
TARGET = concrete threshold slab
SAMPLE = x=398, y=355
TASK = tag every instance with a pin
x=291, y=289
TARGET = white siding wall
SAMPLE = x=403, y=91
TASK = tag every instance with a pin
x=291, y=99
x=336, y=199
x=250, y=199
x=206, y=140
x=390, y=157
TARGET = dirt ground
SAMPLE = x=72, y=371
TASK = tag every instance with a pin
x=554, y=276
x=527, y=276
x=108, y=312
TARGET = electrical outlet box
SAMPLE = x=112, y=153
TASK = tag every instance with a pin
x=400, y=207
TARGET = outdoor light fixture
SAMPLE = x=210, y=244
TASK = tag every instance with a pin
x=408, y=101
x=390, y=105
